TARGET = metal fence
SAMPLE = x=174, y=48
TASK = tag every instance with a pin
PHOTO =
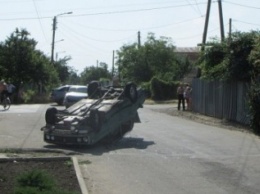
x=224, y=100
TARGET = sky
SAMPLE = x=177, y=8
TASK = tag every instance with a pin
x=96, y=28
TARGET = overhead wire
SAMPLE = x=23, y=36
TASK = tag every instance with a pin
x=79, y=41
x=242, y=5
x=83, y=35
x=137, y=29
x=244, y=22
x=105, y=13
x=133, y=10
x=195, y=7
x=37, y=12
x=197, y=35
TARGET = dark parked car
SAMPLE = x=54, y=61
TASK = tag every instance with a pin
x=57, y=94
x=75, y=94
x=99, y=118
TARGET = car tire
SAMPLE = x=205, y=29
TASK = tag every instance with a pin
x=131, y=92
x=50, y=115
x=93, y=89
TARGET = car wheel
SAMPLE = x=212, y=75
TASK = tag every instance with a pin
x=50, y=115
x=93, y=89
x=131, y=92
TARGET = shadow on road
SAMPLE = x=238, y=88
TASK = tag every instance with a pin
x=99, y=149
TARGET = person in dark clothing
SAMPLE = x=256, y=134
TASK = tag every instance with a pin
x=180, y=93
x=3, y=89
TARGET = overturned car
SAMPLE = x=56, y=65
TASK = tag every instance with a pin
x=105, y=116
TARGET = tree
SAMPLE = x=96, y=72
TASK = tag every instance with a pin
x=65, y=72
x=254, y=92
x=95, y=73
x=229, y=60
x=155, y=58
x=20, y=62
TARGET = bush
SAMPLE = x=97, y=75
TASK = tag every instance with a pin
x=31, y=96
x=162, y=90
x=146, y=87
x=254, y=105
x=28, y=96
x=37, y=182
x=32, y=181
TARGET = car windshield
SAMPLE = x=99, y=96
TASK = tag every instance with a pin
x=78, y=89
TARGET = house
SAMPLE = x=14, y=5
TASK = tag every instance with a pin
x=192, y=53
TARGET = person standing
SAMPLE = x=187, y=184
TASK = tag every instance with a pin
x=10, y=90
x=3, y=89
x=187, y=96
x=180, y=93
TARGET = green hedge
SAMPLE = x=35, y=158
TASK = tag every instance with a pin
x=162, y=90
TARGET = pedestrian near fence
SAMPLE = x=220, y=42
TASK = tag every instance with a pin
x=187, y=96
x=180, y=93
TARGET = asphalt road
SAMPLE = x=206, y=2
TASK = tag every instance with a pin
x=163, y=154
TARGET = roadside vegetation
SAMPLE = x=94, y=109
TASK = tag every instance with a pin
x=37, y=182
x=236, y=59
x=33, y=74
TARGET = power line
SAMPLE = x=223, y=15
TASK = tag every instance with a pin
x=252, y=7
x=246, y=22
x=107, y=13
x=136, y=29
x=134, y=10
x=31, y=18
x=195, y=6
x=35, y=6
x=69, y=29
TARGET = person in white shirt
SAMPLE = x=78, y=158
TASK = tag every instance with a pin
x=187, y=96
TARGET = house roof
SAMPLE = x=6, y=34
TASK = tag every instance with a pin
x=191, y=52
x=187, y=49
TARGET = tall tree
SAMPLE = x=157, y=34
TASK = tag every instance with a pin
x=95, y=73
x=20, y=62
x=155, y=58
x=63, y=70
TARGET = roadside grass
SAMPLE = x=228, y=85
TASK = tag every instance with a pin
x=37, y=182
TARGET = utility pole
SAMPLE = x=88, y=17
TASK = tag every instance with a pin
x=113, y=63
x=230, y=30
x=207, y=22
x=221, y=20
x=53, y=37
x=206, y=26
x=54, y=27
x=139, y=39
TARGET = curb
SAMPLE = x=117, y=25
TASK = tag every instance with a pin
x=79, y=176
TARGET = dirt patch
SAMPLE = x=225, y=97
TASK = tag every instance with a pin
x=62, y=171
x=205, y=119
